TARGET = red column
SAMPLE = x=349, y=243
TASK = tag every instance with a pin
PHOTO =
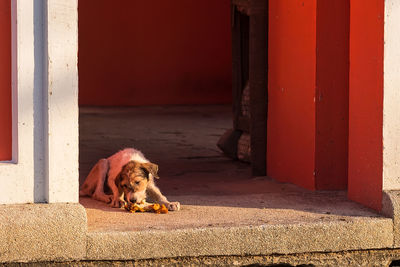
x=332, y=94
x=308, y=93
x=366, y=102
x=291, y=83
x=5, y=80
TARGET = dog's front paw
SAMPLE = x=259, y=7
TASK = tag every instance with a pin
x=173, y=206
x=115, y=203
x=102, y=197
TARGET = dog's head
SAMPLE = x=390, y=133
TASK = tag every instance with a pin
x=134, y=176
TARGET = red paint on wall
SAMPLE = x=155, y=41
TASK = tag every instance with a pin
x=5, y=81
x=291, y=107
x=154, y=52
x=332, y=94
x=366, y=102
x=308, y=93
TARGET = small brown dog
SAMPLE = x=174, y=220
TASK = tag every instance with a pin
x=129, y=175
x=133, y=179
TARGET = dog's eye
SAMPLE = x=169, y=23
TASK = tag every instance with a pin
x=137, y=182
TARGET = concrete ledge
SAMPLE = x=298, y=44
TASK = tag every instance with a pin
x=376, y=258
x=42, y=232
x=391, y=209
x=345, y=258
x=59, y=233
x=261, y=240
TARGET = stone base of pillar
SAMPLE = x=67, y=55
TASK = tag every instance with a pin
x=42, y=232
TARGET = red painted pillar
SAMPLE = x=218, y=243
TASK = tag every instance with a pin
x=332, y=94
x=291, y=91
x=366, y=102
x=308, y=93
x=5, y=80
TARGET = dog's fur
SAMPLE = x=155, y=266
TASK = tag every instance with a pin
x=129, y=175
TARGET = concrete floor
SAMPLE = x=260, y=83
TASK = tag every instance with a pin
x=214, y=190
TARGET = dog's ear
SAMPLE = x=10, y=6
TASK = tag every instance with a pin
x=150, y=168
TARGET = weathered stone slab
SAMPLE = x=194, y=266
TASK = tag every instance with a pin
x=391, y=209
x=259, y=240
x=42, y=232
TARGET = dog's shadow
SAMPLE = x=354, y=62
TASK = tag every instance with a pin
x=90, y=203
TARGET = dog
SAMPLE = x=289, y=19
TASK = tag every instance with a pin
x=129, y=175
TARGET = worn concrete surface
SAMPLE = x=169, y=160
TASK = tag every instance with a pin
x=370, y=258
x=391, y=209
x=225, y=211
x=199, y=211
x=42, y=232
x=227, y=217
x=250, y=240
x=181, y=139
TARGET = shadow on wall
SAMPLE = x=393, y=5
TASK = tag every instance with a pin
x=154, y=52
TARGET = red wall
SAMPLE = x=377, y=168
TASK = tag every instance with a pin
x=154, y=52
x=291, y=107
x=366, y=102
x=308, y=93
x=5, y=80
x=332, y=94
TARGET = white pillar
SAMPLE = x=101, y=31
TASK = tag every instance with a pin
x=17, y=176
x=44, y=166
x=62, y=100
x=391, y=106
